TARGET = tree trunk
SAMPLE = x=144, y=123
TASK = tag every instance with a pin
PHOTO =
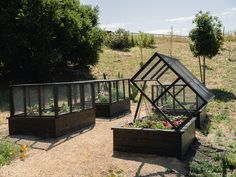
x=141, y=52
x=204, y=70
x=200, y=66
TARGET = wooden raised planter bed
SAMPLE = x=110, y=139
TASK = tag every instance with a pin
x=154, y=141
x=51, y=109
x=51, y=126
x=112, y=110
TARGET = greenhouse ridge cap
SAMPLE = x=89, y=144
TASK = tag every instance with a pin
x=65, y=83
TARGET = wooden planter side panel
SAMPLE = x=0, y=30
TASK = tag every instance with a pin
x=188, y=137
x=166, y=143
x=74, y=121
x=112, y=110
x=44, y=127
x=119, y=108
x=102, y=110
x=51, y=127
x=145, y=141
x=201, y=118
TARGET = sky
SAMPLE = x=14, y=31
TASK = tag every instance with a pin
x=157, y=16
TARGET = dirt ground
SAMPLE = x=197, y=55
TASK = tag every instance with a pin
x=87, y=154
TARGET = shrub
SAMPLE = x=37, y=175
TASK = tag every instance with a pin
x=221, y=117
x=145, y=39
x=133, y=93
x=119, y=40
x=8, y=151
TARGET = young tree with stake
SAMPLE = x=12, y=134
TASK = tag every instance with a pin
x=207, y=39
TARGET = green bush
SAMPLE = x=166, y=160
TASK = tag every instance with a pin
x=119, y=40
x=145, y=40
x=221, y=117
x=133, y=93
x=103, y=98
x=230, y=160
x=8, y=151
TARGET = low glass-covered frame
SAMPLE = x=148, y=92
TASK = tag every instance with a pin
x=52, y=109
x=112, y=97
x=51, y=100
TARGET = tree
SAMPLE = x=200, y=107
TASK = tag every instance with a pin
x=207, y=39
x=144, y=40
x=47, y=39
x=140, y=42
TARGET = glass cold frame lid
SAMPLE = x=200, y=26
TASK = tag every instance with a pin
x=159, y=63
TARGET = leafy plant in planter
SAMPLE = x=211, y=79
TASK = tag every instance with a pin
x=32, y=110
x=103, y=98
x=50, y=111
x=156, y=122
x=134, y=93
x=64, y=108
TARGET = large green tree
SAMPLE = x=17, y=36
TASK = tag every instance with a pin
x=43, y=40
x=207, y=39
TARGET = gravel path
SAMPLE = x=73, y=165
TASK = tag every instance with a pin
x=88, y=154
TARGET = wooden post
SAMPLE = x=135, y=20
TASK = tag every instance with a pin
x=39, y=97
x=110, y=99
x=24, y=94
x=55, y=93
x=12, y=107
x=69, y=96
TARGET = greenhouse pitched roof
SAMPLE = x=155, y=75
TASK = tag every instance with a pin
x=159, y=63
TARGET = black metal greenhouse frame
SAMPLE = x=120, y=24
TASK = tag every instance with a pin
x=116, y=105
x=186, y=75
x=55, y=96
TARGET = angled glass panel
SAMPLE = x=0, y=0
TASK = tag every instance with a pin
x=32, y=101
x=146, y=69
x=76, y=97
x=88, y=101
x=126, y=89
x=18, y=100
x=114, y=92
x=47, y=101
x=63, y=104
x=102, y=92
x=188, y=77
x=120, y=90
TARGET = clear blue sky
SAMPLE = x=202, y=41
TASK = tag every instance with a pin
x=157, y=16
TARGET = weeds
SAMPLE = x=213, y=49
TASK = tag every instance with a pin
x=221, y=117
x=8, y=151
x=115, y=173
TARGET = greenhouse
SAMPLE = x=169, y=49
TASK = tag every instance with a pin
x=52, y=109
x=163, y=123
x=112, y=98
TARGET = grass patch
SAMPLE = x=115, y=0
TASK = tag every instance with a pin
x=114, y=173
x=8, y=152
x=221, y=117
